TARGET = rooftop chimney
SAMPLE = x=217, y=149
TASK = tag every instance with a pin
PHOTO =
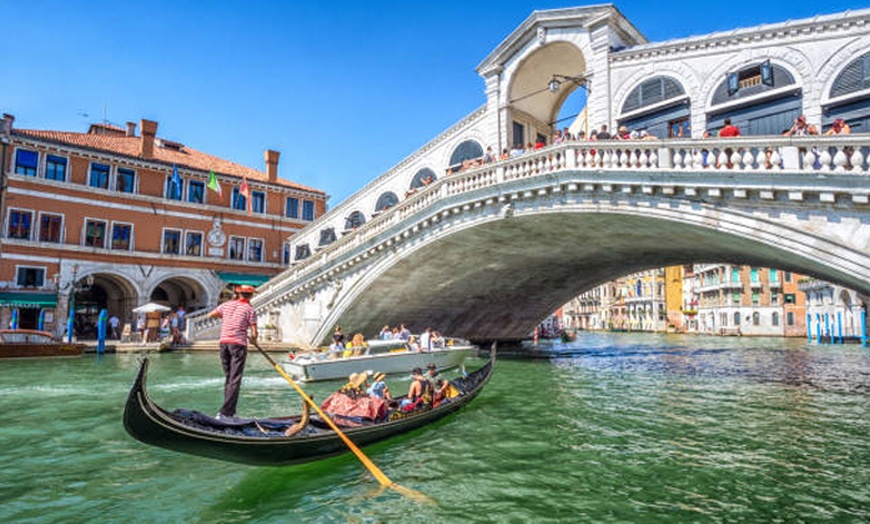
x=272, y=165
x=149, y=131
x=7, y=124
x=131, y=129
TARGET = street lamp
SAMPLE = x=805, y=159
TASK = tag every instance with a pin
x=75, y=287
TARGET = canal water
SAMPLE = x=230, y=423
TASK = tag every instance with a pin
x=619, y=428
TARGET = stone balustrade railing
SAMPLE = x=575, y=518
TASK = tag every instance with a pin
x=809, y=155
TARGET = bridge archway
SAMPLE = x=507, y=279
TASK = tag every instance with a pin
x=422, y=178
x=538, y=261
x=532, y=107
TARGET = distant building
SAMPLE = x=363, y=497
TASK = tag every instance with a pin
x=109, y=219
x=715, y=299
x=833, y=312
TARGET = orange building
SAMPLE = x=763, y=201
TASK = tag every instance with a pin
x=109, y=219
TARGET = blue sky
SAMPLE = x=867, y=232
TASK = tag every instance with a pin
x=343, y=89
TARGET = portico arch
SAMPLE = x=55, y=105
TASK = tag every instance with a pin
x=182, y=291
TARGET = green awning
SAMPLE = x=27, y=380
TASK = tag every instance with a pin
x=22, y=299
x=240, y=279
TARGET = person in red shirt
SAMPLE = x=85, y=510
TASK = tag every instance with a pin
x=729, y=130
x=238, y=317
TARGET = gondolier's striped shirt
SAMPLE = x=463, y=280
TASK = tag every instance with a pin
x=237, y=317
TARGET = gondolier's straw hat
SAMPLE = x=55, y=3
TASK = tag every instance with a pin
x=357, y=379
x=379, y=376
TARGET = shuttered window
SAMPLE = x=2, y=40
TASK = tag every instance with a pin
x=855, y=77
x=651, y=92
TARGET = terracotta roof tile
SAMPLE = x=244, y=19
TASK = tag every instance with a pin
x=129, y=146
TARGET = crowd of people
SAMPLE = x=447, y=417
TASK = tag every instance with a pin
x=366, y=396
x=342, y=347
x=800, y=128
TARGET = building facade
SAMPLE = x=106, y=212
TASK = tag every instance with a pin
x=713, y=299
x=833, y=313
x=111, y=219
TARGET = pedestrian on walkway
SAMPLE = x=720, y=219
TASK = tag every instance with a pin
x=238, y=317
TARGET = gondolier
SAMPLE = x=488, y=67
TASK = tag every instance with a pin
x=238, y=317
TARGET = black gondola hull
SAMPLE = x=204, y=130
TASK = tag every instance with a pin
x=151, y=424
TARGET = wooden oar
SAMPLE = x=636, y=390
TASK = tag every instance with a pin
x=373, y=469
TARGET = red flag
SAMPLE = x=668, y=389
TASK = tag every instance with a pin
x=245, y=191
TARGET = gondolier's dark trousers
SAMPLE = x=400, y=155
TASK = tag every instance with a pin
x=233, y=360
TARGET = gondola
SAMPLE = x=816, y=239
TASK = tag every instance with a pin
x=262, y=442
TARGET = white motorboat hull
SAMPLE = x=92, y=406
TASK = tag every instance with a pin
x=317, y=367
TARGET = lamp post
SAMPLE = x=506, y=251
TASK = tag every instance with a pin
x=74, y=287
x=555, y=84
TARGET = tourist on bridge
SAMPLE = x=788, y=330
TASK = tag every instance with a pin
x=238, y=318
x=801, y=127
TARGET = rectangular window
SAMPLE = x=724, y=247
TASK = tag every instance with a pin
x=26, y=162
x=99, y=176
x=756, y=298
x=50, y=228
x=174, y=190
x=239, y=201
x=786, y=276
x=789, y=318
x=735, y=275
x=193, y=244
x=788, y=298
x=20, y=224
x=753, y=275
x=122, y=234
x=255, y=250
x=519, y=136
x=30, y=277
x=735, y=297
x=774, y=298
x=308, y=210
x=773, y=275
x=171, y=241
x=95, y=233
x=55, y=168
x=292, y=210
x=286, y=256
x=125, y=180
x=237, y=248
x=258, y=202
x=196, y=192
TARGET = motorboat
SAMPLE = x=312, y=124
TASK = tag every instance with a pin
x=387, y=356
x=22, y=343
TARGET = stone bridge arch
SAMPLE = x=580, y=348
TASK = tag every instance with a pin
x=493, y=271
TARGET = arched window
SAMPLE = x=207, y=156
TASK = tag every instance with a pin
x=327, y=236
x=386, y=201
x=468, y=150
x=302, y=252
x=855, y=77
x=756, y=115
x=756, y=318
x=638, y=288
x=737, y=318
x=774, y=319
x=354, y=220
x=652, y=91
x=750, y=81
x=423, y=178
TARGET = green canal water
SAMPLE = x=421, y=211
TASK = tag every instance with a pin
x=620, y=428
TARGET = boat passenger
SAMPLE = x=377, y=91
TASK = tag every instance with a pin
x=412, y=344
x=385, y=334
x=419, y=393
x=379, y=387
x=440, y=386
x=359, y=344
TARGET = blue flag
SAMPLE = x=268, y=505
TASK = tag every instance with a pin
x=176, y=183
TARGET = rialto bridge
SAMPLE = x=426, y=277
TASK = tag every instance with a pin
x=485, y=250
